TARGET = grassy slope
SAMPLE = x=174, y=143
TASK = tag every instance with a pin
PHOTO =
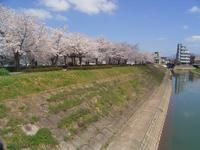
x=23, y=84
x=196, y=71
x=100, y=99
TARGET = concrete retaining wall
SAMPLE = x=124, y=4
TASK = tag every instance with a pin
x=144, y=128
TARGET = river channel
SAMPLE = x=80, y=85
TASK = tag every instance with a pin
x=182, y=126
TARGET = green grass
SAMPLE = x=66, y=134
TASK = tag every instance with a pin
x=15, y=121
x=197, y=71
x=3, y=110
x=23, y=84
x=34, y=119
x=69, y=103
x=31, y=83
x=78, y=119
x=23, y=108
x=84, y=106
x=19, y=140
x=116, y=94
x=43, y=136
x=4, y=72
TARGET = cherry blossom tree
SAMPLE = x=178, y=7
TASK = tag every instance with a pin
x=25, y=39
x=6, y=16
x=93, y=51
x=148, y=57
x=17, y=32
x=78, y=46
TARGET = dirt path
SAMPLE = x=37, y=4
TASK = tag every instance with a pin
x=143, y=130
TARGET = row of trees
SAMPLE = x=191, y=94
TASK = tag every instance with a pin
x=26, y=41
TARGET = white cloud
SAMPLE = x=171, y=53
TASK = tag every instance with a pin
x=185, y=27
x=193, y=39
x=39, y=13
x=56, y=5
x=86, y=6
x=193, y=43
x=194, y=9
x=94, y=6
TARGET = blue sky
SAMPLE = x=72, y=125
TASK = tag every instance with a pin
x=153, y=24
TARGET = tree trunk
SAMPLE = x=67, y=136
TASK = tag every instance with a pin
x=74, y=61
x=56, y=61
x=80, y=61
x=52, y=61
x=118, y=61
x=96, y=61
x=125, y=61
x=32, y=63
x=71, y=60
x=109, y=61
x=65, y=60
x=17, y=60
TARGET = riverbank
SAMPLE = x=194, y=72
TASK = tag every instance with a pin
x=183, y=67
x=73, y=109
x=196, y=71
x=143, y=130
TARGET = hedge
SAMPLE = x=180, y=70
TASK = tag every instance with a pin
x=89, y=67
x=42, y=69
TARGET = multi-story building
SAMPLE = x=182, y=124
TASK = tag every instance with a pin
x=182, y=55
x=157, y=57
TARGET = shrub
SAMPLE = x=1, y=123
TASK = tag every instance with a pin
x=4, y=72
x=89, y=67
x=42, y=69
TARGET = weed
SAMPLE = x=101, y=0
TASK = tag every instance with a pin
x=34, y=119
x=19, y=140
x=64, y=106
x=23, y=108
x=3, y=110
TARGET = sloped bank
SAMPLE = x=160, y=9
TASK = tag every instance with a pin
x=84, y=114
x=113, y=131
x=143, y=130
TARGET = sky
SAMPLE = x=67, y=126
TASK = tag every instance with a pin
x=155, y=25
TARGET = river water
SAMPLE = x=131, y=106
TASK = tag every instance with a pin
x=182, y=126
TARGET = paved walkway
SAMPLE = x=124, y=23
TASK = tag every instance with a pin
x=144, y=128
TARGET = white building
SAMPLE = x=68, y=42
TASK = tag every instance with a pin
x=157, y=57
x=183, y=55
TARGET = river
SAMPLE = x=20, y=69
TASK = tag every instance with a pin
x=182, y=126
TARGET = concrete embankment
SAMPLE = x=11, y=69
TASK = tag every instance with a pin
x=184, y=67
x=143, y=130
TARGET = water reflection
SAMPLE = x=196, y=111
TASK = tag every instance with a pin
x=181, y=130
x=181, y=80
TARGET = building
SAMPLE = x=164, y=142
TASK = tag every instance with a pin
x=182, y=55
x=197, y=60
x=157, y=57
x=164, y=60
